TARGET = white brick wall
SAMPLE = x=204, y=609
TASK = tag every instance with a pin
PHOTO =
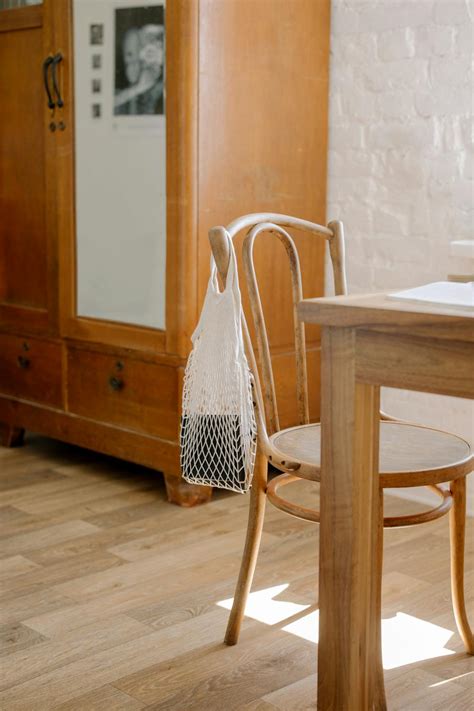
x=401, y=155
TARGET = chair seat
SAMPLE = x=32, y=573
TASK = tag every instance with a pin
x=410, y=455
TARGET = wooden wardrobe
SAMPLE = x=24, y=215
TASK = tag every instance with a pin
x=245, y=117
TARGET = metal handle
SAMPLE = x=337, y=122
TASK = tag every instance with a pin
x=116, y=383
x=23, y=362
x=46, y=65
x=56, y=59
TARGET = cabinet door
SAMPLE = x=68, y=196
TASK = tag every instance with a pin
x=28, y=258
x=112, y=211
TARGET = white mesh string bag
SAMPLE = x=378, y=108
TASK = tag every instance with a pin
x=218, y=428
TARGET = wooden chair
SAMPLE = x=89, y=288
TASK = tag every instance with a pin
x=410, y=455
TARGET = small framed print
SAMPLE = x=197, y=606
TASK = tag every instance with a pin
x=139, y=76
x=96, y=34
x=96, y=86
x=96, y=111
x=96, y=61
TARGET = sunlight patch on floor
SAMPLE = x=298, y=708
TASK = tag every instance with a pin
x=405, y=639
x=262, y=607
x=453, y=678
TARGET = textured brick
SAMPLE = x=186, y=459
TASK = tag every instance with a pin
x=451, y=12
x=396, y=104
x=455, y=72
x=402, y=74
x=350, y=163
x=401, y=155
x=344, y=19
x=396, y=44
x=435, y=41
x=446, y=101
x=463, y=43
x=391, y=221
x=359, y=104
x=349, y=135
x=402, y=171
x=392, y=135
x=448, y=133
x=389, y=14
x=466, y=125
x=467, y=169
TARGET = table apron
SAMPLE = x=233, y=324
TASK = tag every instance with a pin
x=401, y=360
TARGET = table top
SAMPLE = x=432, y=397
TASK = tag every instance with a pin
x=379, y=312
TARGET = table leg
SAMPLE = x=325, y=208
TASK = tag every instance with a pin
x=348, y=649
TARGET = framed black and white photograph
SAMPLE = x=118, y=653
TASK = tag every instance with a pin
x=96, y=111
x=96, y=61
x=96, y=34
x=96, y=86
x=139, y=81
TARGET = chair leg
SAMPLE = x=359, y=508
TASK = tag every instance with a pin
x=252, y=545
x=380, y=703
x=457, y=526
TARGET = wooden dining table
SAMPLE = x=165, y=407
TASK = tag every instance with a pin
x=368, y=341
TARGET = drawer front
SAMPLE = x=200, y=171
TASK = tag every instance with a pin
x=123, y=391
x=31, y=369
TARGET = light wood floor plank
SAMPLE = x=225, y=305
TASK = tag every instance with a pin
x=22, y=666
x=15, y=566
x=24, y=542
x=110, y=595
x=104, y=699
x=15, y=637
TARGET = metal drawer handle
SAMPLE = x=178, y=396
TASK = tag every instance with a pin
x=23, y=362
x=116, y=383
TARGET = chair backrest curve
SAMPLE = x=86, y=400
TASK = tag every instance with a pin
x=258, y=224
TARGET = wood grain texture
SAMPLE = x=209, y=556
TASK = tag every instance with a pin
x=423, y=346
x=107, y=697
x=379, y=312
x=24, y=260
x=410, y=455
x=124, y=392
x=216, y=168
x=426, y=363
x=126, y=444
x=21, y=18
x=11, y=436
x=349, y=482
x=31, y=369
x=156, y=641
x=15, y=637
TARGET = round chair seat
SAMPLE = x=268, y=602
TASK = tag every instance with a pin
x=410, y=455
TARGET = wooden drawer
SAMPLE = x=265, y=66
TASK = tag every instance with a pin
x=129, y=393
x=31, y=369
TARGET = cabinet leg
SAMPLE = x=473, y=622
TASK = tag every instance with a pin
x=11, y=436
x=183, y=494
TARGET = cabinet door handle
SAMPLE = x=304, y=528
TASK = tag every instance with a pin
x=23, y=362
x=46, y=65
x=56, y=59
x=116, y=383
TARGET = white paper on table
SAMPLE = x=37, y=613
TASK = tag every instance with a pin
x=449, y=293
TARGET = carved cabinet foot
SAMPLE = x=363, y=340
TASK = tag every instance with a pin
x=11, y=436
x=183, y=494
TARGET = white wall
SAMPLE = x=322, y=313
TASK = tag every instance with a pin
x=401, y=156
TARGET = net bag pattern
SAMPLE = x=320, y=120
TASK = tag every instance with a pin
x=218, y=429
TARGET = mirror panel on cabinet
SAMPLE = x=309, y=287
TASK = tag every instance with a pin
x=120, y=161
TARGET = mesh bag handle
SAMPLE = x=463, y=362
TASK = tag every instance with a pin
x=218, y=429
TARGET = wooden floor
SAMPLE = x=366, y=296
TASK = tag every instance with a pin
x=110, y=597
